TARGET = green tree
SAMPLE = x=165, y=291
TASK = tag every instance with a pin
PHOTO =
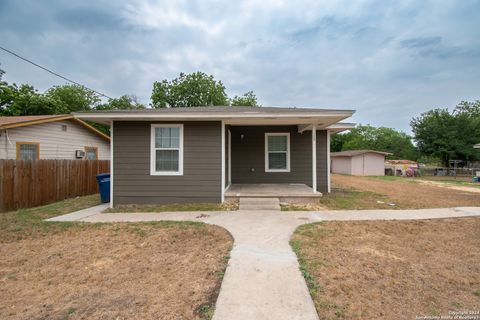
x=248, y=99
x=189, y=90
x=125, y=102
x=449, y=135
x=71, y=98
x=372, y=138
x=24, y=100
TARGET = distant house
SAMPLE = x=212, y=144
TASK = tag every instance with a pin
x=51, y=137
x=359, y=162
x=401, y=167
x=477, y=146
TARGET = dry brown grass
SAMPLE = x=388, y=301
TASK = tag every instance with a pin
x=161, y=270
x=230, y=205
x=392, y=269
x=407, y=193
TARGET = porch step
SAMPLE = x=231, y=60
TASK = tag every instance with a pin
x=259, y=203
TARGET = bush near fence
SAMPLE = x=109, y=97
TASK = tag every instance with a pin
x=25, y=184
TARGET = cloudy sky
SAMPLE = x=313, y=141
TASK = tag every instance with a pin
x=389, y=60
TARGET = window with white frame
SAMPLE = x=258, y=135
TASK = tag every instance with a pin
x=166, y=149
x=277, y=152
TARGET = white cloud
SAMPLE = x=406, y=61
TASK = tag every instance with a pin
x=338, y=54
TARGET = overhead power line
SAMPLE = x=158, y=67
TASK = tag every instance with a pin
x=52, y=72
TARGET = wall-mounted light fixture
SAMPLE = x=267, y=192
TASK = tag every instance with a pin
x=242, y=136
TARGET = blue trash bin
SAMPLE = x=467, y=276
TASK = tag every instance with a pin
x=103, y=180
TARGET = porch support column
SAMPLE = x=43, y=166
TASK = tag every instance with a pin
x=111, y=164
x=222, y=175
x=314, y=158
x=328, y=162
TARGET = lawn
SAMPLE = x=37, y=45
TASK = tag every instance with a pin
x=52, y=270
x=344, y=199
x=226, y=206
x=407, y=193
x=391, y=269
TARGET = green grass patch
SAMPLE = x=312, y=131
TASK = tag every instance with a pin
x=30, y=223
x=227, y=206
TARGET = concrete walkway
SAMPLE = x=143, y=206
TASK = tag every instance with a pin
x=263, y=280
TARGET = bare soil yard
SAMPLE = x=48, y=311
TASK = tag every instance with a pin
x=391, y=269
x=407, y=193
x=162, y=270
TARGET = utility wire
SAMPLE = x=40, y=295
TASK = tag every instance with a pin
x=52, y=72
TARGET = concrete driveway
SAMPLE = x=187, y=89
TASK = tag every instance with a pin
x=263, y=280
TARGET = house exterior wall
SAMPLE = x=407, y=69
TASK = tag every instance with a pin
x=201, y=179
x=374, y=164
x=322, y=159
x=249, y=153
x=342, y=165
x=369, y=164
x=54, y=143
x=358, y=163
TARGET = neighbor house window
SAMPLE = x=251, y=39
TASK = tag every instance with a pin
x=91, y=153
x=277, y=152
x=166, y=149
x=28, y=151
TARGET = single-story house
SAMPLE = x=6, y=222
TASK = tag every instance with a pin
x=359, y=162
x=199, y=154
x=401, y=167
x=477, y=146
x=51, y=137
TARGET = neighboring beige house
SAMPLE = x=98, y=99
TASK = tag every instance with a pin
x=51, y=137
x=402, y=167
x=477, y=146
x=359, y=162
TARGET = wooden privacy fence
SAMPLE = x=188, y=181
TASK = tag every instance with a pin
x=25, y=184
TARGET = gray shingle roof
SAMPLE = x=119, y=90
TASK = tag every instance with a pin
x=219, y=109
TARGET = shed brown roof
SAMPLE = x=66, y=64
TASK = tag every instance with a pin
x=351, y=153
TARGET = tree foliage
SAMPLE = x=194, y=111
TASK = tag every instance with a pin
x=189, y=90
x=248, y=99
x=449, y=135
x=72, y=98
x=196, y=90
x=125, y=102
x=372, y=138
x=63, y=99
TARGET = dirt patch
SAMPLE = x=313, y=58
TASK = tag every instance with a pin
x=450, y=186
x=114, y=271
x=409, y=194
x=391, y=269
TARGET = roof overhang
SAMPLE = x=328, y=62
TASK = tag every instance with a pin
x=322, y=118
x=53, y=119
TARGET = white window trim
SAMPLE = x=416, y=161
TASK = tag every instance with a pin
x=270, y=134
x=153, y=172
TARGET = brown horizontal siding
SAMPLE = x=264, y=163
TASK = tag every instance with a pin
x=201, y=180
x=322, y=176
x=250, y=153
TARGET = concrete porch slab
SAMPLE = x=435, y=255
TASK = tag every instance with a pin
x=271, y=190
